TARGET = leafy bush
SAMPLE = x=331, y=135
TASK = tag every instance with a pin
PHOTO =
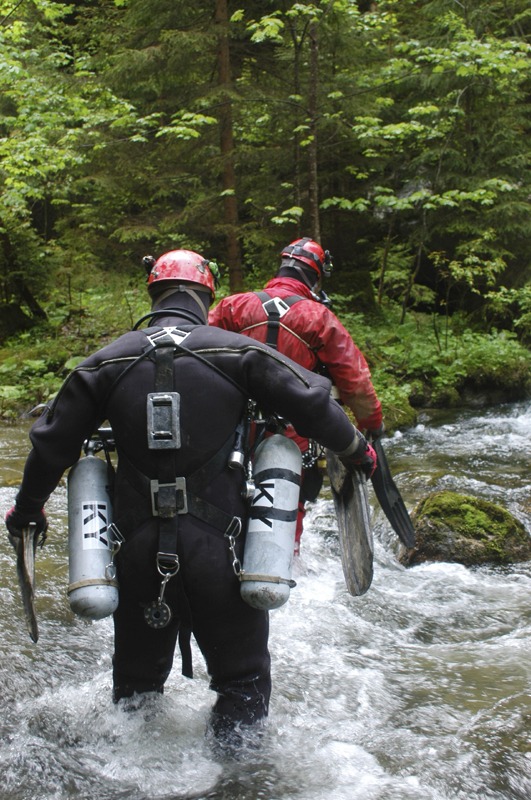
x=413, y=364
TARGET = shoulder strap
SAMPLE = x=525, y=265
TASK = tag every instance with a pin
x=275, y=308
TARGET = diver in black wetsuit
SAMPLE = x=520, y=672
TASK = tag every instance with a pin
x=177, y=504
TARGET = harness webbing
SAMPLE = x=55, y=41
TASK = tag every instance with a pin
x=172, y=496
x=168, y=518
x=275, y=308
x=166, y=497
x=194, y=484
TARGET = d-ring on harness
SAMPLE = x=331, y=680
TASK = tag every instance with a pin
x=158, y=613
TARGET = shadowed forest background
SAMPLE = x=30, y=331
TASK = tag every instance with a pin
x=396, y=133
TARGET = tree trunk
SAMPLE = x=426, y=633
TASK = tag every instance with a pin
x=411, y=282
x=385, y=257
x=313, y=184
x=297, y=177
x=230, y=197
x=29, y=299
x=15, y=286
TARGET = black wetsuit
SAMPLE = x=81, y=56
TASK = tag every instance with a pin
x=112, y=385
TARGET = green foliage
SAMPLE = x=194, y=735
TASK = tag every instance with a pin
x=25, y=383
x=82, y=316
x=396, y=131
x=506, y=305
x=54, y=116
x=414, y=365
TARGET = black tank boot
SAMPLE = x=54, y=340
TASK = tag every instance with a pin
x=237, y=719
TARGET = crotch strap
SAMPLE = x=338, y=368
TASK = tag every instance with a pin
x=164, y=437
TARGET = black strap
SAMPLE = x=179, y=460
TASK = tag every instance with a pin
x=167, y=498
x=185, y=636
x=147, y=353
x=195, y=484
x=273, y=314
x=168, y=518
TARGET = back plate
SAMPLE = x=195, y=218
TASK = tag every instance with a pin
x=349, y=491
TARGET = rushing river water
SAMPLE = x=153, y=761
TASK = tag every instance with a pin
x=419, y=690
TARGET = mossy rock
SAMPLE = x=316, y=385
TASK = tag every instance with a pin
x=466, y=530
x=448, y=397
x=399, y=417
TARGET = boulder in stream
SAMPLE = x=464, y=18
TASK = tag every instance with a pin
x=467, y=530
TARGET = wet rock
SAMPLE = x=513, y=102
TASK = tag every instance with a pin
x=467, y=530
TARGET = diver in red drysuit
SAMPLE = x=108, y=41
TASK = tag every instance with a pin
x=290, y=316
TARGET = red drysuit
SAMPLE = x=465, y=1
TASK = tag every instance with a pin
x=310, y=334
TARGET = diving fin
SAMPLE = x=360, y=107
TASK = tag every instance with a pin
x=25, y=547
x=390, y=498
x=349, y=490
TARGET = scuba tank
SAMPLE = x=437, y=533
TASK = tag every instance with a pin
x=269, y=544
x=93, y=588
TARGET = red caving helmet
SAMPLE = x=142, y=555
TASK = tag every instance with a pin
x=184, y=265
x=310, y=253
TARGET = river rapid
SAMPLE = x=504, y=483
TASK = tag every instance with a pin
x=419, y=690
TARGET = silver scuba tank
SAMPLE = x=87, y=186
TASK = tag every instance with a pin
x=270, y=540
x=93, y=588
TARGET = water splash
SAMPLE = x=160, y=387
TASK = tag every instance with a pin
x=416, y=691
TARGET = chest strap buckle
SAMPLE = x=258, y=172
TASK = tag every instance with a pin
x=276, y=307
x=168, y=499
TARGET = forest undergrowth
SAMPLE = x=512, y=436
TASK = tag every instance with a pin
x=426, y=361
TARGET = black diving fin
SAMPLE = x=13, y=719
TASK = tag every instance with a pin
x=390, y=498
x=25, y=547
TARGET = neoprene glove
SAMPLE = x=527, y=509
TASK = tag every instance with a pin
x=366, y=461
x=17, y=520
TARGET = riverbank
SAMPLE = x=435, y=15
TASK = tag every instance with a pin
x=425, y=362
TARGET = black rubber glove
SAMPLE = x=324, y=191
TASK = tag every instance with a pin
x=17, y=520
x=366, y=460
